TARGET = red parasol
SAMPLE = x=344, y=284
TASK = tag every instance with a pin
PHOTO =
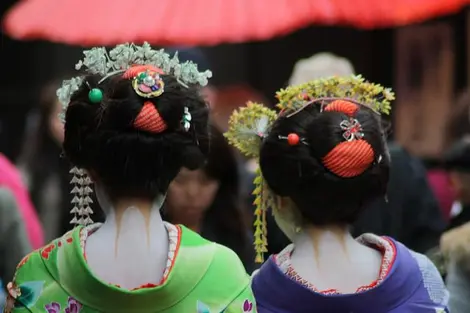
x=205, y=22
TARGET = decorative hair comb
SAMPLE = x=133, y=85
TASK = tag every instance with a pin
x=148, y=64
x=146, y=80
x=244, y=132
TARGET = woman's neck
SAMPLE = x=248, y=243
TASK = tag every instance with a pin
x=324, y=242
x=135, y=220
x=131, y=247
x=322, y=256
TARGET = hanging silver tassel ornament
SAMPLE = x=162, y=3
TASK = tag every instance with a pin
x=81, y=197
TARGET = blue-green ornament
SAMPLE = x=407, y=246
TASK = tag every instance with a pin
x=95, y=95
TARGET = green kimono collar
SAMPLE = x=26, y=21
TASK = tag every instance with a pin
x=76, y=278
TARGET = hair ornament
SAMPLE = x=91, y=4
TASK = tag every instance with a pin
x=186, y=121
x=354, y=89
x=342, y=105
x=351, y=126
x=354, y=156
x=248, y=126
x=352, y=129
x=146, y=80
x=81, y=200
x=293, y=139
x=119, y=59
x=359, y=154
x=99, y=61
x=148, y=84
x=149, y=119
x=95, y=95
x=243, y=133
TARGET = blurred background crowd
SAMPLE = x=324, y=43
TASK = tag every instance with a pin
x=427, y=63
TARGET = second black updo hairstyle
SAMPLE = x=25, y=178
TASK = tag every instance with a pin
x=101, y=138
x=299, y=172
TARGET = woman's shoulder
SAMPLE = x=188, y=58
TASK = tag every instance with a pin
x=432, y=283
x=214, y=273
x=33, y=274
x=40, y=259
x=217, y=260
x=192, y=242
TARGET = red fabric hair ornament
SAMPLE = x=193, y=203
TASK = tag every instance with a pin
x=149, y=119
x=135, y=70
x=352, y=157
x=147, y=83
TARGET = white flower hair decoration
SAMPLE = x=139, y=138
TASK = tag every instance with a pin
x=99, y=61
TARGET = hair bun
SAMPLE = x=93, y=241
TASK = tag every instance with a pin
x=135, y=145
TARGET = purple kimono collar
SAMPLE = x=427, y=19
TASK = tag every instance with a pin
x=275, y=292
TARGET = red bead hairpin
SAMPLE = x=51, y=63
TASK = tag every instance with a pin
x=293, y=139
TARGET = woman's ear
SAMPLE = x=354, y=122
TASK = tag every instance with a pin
x=287, y=217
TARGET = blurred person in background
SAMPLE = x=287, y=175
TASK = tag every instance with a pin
x=43, y=166
x=458, y=126
x=457, y=164
x=455, y=243
x=222, y=101
x=439, y=182
x=14, y=241
x=208, y=201
x=459, y=121
x=410, y=213
x=10, y=179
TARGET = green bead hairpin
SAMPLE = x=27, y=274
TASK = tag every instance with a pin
x=95, y=95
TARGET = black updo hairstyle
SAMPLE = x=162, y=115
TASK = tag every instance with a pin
x=128, y=162
x=297, y=171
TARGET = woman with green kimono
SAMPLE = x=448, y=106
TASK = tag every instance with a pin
x=131, y=123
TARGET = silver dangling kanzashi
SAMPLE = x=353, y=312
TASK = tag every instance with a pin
x=81, y=197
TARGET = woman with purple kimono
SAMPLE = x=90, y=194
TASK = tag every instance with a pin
x=322, y=159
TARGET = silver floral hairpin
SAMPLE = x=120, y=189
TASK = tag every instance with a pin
x=352, y=129
x=101, y=62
